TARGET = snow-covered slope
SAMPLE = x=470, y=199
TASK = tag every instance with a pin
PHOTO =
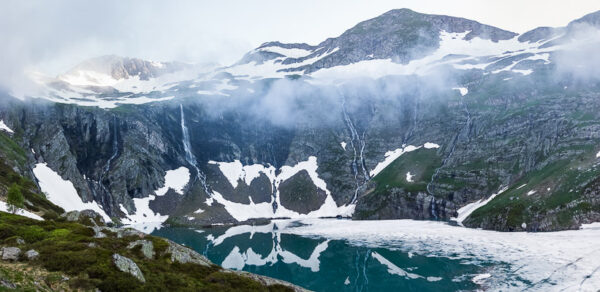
x=400, y=42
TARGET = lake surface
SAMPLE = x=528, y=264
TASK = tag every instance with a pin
x=402, y=255
x=323, y=264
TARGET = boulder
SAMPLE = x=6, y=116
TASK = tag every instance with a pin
x=147, y=247
x=128, y=266
x=81, y=216
x=185, y=255
x=32, y=254
x=10, y=253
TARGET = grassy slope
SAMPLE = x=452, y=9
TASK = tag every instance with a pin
x=420, y=163
x=64, y=247
x=558, y=187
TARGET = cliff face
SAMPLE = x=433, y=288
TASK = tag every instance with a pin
x=527, y=133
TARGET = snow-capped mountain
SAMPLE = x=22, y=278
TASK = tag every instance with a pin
x=399, y=42
x=406, y=115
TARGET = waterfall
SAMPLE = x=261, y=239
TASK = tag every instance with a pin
x=189, y=156
x=456, y=138
x=361, y=143
x=115, y=146
x=115, y=153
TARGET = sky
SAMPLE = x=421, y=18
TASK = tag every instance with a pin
x=52, y=36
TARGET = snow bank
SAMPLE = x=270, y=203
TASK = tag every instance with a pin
x=62, y=192
x=4, y=127
x=4, y=208
x=465, y=211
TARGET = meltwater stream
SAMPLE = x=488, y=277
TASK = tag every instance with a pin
x=401, y=255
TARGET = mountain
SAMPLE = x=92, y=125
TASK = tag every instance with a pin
x=406, y=115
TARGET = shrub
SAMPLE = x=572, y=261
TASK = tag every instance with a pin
x=14, y=198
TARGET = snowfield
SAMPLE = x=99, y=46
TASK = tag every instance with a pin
x=62, y=192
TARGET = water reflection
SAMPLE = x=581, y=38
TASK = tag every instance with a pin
x=320, y=264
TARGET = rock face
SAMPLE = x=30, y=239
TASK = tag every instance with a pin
x=128, y=266
x=10, y=253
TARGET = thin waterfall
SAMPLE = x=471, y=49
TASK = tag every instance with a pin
x=355, y=139
x=189, y=156
x=115, y=146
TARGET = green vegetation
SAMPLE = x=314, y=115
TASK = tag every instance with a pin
x=70, y=249
x=421, y=164
x=11, y=150
x=14, y=198
x=33, y=201
x=551, y=191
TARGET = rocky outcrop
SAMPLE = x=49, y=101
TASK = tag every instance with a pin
x=126, y=265
x=146, y=247
x=182, y=254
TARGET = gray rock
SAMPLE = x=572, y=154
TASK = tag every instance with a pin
x=78, y=216
x=10, y=253
x=267, y=281
x=128, y=266
x=32, y=254
x=185, y=255
x=20, y=241
x=147, y=247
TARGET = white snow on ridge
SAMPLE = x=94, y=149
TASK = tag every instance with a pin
x=409, y=177
x=4, y=127
x=543, y=261
x=62, y=192
x=343, y=144
x=290, y=53
x=4, y=208
x=466, y=210
x=175, y=179
x=450, y=44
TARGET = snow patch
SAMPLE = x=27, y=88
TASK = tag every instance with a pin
x=465, y=211
x=4, y=127
x=390, y=156
x=235, y=171
x=4, y=208
x=62, y=192
x=463, y=90
x=343, y=145
x=409, y=177
x=176, y=180
x=531, y=192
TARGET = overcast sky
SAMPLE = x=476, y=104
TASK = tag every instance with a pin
x=52, y=36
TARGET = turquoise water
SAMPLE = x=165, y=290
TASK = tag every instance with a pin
x=320, y=264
